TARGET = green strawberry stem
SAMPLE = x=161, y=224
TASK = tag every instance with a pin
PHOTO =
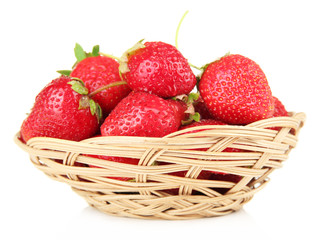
x=192, y=118
x=193, y=66
x=176, y=38
x=110, y=56
x=178, y=28
x=106, y=87
x=64, y=72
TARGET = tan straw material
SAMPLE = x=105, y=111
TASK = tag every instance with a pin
x=147, y=193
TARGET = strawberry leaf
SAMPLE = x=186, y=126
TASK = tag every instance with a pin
x=95, y=51
x=193, y=97
x=64, y=72
x=78, y=87
x=79, y=80
x=95, y=109
x=79, y=53
x=99, y=112
x=196, y=117
x=92, y=106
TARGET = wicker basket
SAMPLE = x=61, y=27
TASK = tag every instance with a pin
x=147, y=194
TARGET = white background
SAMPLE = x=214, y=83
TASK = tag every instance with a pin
x=38, y=37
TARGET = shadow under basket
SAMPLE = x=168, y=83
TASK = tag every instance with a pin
x=169, y=182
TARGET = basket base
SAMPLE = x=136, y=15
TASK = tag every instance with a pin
x=178, y=207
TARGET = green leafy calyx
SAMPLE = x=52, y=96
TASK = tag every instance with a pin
x=123, y=66
x=85, y=101
x=78, y=86
x=190, y=110
x=64, y=72
x=79, y=53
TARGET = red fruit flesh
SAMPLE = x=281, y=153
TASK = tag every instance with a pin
x=56, y=114
x=159, y=68
x=141, y=114
x=236, y=90
x=97, y=72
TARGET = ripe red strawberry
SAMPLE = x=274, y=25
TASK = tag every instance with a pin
x=158, y=68
x=179, y=110
x=56, y=113
x=279, y=109
x=201, y=108
x=236, y=90
x=97, y=71
x=225, y=177
x=141, y=114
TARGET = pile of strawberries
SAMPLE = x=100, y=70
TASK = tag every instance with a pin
x=148, y=93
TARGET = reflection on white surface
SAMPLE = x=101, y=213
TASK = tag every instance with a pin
x=92, y=221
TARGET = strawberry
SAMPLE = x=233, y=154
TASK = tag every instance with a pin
x=225, y=177
x=180, y=107
x=98, y=71
x=56, y=112
x=201, y=108
x=235, y=90
x=158, y=68
x=279, y=109
x=142, y=114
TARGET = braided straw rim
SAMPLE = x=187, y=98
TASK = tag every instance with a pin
x=147, y=196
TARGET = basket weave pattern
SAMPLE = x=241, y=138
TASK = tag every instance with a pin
x=146, y=195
